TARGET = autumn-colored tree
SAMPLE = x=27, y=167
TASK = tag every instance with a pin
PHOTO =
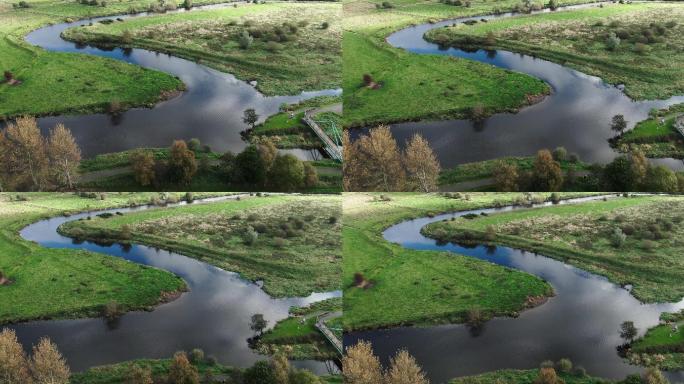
x=287, y=173
x=182, y=165
x=506, y=177
x=24, y=156
x=547, y=174
x=47, y=364
x=64, y=154
x=181, y=371
x=352, y=165
x=547, y=375
x=140, y=375
x=361, y=366
x=310, y=175
x=267, y=152
x=142, y=163
x=654, y=376
x=378, y=156
x=405, y=370
x=422, y=166
x=639, y=165
x=14, y=367
x=281, y=368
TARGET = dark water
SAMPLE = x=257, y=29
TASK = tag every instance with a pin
x=581, y=322
x=214, y=315
x=211, y=109
x=576, y=115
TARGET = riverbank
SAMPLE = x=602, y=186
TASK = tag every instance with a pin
x=529, y=377
x=620, y=43
x=633, y=241
x=292, y=47
x=387, y=285
x=64, y=283
x=281, y=241
x=661, y=346
x=656, y=136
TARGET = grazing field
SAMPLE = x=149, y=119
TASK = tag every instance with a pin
x=285, y=47
x=402, y=286
x=632, y=241
x=527, y=377
x=289, y=242
x=66, y=283
x=58, y=83
x=638, y=45
x=297, y=335
x=656, y=136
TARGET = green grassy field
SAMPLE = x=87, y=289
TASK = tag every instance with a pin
x=662, y=345
x=59, y=83
x=297, y=335
x=582, y=235
x=65, y=283
x=422, y=287
x=283, y=58
x=656, y=136
x=647, y=59
x=296, y=250
x=525, y=377
x=415, y=86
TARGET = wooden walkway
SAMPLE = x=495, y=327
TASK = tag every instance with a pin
x=334, y=150
x=327, y=333
x=679, y=124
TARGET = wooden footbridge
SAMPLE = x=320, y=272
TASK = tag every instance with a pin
x=328, y=333
x=331, y=143
x=679, y=124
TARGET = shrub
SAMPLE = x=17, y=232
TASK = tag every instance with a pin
x=112, y=310
x=474, y=317
x=560, y=154
x=245, y=40
x=325, y=25
x=564, y=365
x=196, y=356
x=249, y=235
x=612, y=42
x=279, y=242
x=579, y=371
x=640, y=48
x=617, y=238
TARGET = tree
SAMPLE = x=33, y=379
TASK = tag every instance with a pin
x=142, y=163
x=64, y=154
x=258, y=323
x=661, y=179
x=654, y=376
x=618, y=175
x=376, y=162
x=628, y=331
x=140, y=375
x=547, y=174
x=248, y=167
x=560, y=154
x=14, y=367
x=260, y=373
x=639, y=166
x=181, y=371
x=281, y=368
x=618, y=124
x=361, y=366
x=24, y=156
x=250, y=117
x=47, y=364
x=680, y=182
x=310, y=175
x=267, y=152
x=182, y=165
x=506, y=177
x=405, y=370
x=422, y=166
x=287, y=173
x=547, y=375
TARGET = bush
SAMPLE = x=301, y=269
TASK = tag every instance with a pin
x=612, y=42
x=564, y=365
x=249, y=235
x=112, y=310
x=196, y=356
x=560, y=154
x=617, y=238
x=325, y=25
x=245, y=40
x=640, y=48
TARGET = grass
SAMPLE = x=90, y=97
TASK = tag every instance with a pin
x=484, y=169
x=661, y=346
x=67, y=283
x=581, y=235
x=298, y=336
x=422, y=287
x=648, y=59
x=279, y=60
x=66, y=83
x=123, y=159
x=525, y=377
x=297, y=251
x=656, y=136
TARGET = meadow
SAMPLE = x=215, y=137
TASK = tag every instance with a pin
x=526, y=376
x=640, y=46
x=290, y=47
x=65, y=283
x=408, y=287
x=656, y=136
x=291, y=243
x=632, y=241
x=64, y=83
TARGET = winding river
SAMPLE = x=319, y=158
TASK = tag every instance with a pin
x=210, y=109
x=581, y=322
x=576, y=115
x=213, y=315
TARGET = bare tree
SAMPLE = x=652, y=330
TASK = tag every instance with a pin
x=14, y=367
x=64, y=154
x=422, y=166
x=405, y=370
x=24, y=154
x=378, y=161
x=361, y=366
x=47, y=364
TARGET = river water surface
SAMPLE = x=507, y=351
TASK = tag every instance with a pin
x=213, y=315
x=581, y=322
x=211, y=108
x=576, y=115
